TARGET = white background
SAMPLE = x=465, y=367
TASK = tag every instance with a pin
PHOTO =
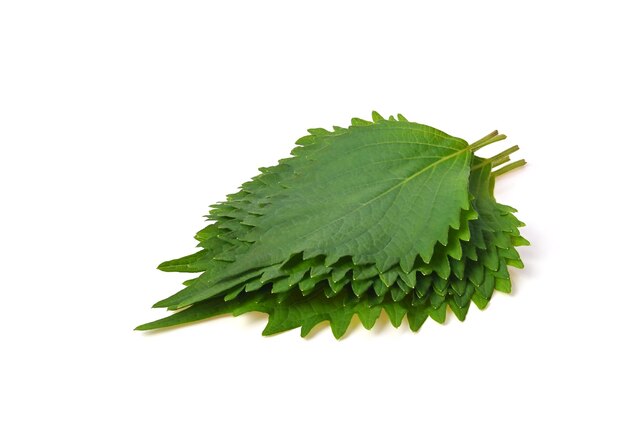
x=121, y=121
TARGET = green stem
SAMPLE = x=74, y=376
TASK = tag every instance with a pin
x=504, y=153
x=486, y=140
x=507, y=168
x=498, y=159
x=497, y=162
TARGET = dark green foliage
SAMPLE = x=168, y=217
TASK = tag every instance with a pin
x=385, y=215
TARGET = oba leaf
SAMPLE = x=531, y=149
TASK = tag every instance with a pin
x=389, y=214
x=384, y=193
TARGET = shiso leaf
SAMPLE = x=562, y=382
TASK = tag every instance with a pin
x=386, y=214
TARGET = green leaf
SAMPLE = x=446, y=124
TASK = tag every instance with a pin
x=384, y=214
x=381, y=175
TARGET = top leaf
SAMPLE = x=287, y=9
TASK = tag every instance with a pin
x=383, y=193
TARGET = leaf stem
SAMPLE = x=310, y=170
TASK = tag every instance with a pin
x=497, y=162
x=486, y=140
x=504, y=153
x=507, y=168
x=498, y=159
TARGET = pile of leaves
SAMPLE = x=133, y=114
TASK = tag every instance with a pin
x=383, y=215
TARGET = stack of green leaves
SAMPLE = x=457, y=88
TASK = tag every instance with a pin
x=384, y=215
